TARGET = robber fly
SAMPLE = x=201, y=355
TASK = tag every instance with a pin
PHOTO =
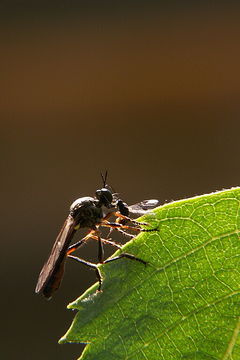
x=89, y=212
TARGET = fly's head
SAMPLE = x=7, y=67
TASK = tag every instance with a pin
x=105, y=198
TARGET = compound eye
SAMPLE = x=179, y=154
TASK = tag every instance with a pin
x=105, y=197
x=98, y=194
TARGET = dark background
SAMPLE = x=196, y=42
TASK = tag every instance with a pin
x=149, y=92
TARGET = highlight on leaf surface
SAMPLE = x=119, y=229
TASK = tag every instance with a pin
x=185, y=304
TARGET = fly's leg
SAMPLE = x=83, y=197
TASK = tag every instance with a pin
x=125, y=255
x=100, y=249
x=128, y=219
x=75, y=246
x=115, y=225
x=108, y=241
x=121, y=217
x=92, y=266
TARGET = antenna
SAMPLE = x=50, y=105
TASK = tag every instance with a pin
x=104, y=178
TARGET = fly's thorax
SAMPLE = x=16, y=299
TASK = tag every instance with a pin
x=86, y=212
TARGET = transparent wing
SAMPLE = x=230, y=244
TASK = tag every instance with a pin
x=143, y=207
x=57, y=254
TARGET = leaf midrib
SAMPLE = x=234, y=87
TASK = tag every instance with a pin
x=232, y=341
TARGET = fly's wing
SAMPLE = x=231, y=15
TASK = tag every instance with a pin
x=143, y=207
x=57, y=255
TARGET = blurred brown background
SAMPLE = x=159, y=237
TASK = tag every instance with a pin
x=149, y=92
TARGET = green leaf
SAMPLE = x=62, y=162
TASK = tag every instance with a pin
x=185, y=304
